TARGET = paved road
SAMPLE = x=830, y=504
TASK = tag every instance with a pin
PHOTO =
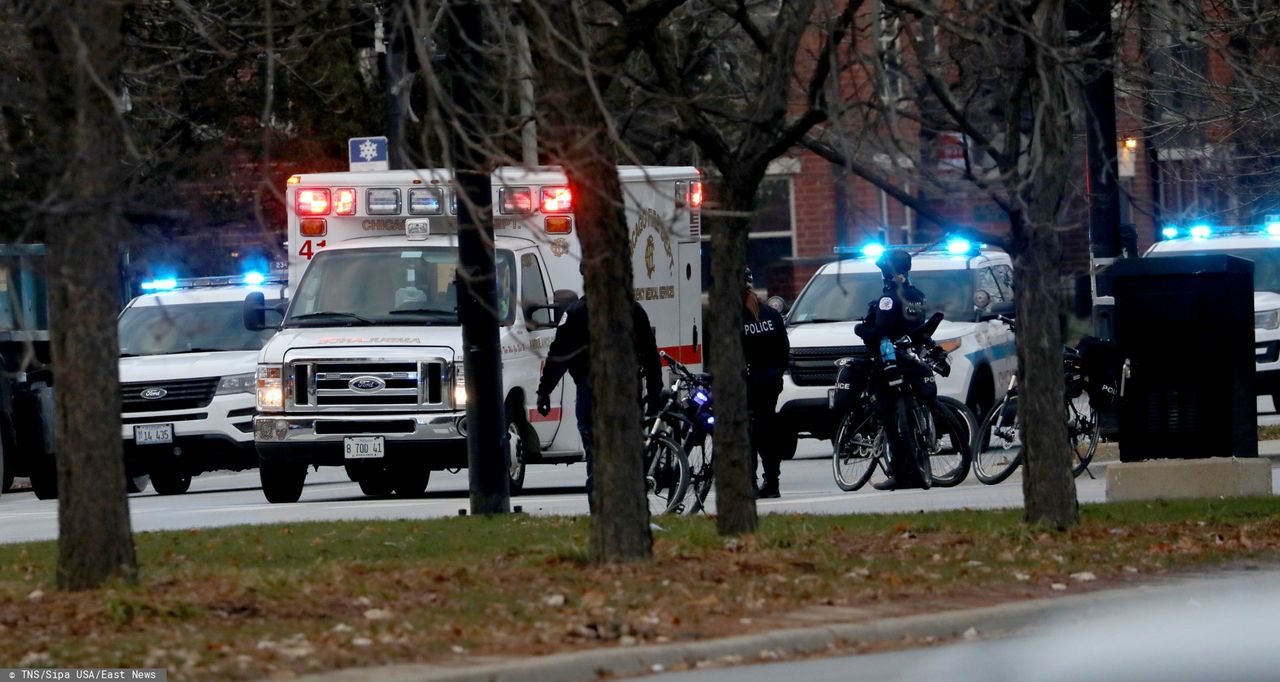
x=1214, y=628
x=224, y=499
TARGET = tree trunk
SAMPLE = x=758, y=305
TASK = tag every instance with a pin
x=734, y=460
x=1048, y=488
x=95, y=543
x=620, y=522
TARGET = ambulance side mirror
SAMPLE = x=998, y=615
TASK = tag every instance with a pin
x=563, y=299
x=256, y=309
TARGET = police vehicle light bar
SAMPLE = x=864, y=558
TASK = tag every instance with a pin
x=160, y=284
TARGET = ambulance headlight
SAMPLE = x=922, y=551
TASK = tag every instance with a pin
x=1266, y=319
x=459, y=385
x=270, y=388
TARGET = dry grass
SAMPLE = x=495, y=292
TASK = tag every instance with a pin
x=250, y=602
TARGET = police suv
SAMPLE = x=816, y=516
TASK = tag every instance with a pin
x=962, y=281
x=187, y=366
x=1262, y=246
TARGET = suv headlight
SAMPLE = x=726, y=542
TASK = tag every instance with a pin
x=459, y=386
x=237, y=383
x=1267, y=319
x=949, y=345
x=270, y=388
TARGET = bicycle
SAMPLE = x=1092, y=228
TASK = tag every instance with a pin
x=679, y=427
x=930, y=439
x=686, y=418
x=860, y=446
x=998, y=448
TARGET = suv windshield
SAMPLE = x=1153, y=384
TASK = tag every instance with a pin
x=388, y=286
x=187, y=328
x=843, y=296
x=1266, y=263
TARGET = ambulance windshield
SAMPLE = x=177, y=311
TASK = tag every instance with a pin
x=844, y=296
x=388, y=286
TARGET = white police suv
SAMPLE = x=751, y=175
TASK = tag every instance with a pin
x=1262, y=246
x=187, y=380
x=962, y=281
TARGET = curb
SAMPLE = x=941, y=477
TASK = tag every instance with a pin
x=592, y=664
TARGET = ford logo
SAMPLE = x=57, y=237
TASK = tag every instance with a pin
x=367, y=384
x=153, y=393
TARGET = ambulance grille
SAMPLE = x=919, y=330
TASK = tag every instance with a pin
x=372, y=385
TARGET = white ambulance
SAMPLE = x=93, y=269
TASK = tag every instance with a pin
x=366, y=371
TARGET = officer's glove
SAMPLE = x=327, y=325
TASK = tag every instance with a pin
x=544, y=404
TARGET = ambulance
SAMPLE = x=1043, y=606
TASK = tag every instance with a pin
x=366, y=370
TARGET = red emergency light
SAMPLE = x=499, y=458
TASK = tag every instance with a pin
x=344, y=201
x=556, y=200
x=313, y=202
x=695, y=194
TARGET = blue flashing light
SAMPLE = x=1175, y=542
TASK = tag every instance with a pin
x=1169, y=232
x=160, y=284
x=873, y=250
x=253, y=279
x=1200, y=231
x=959, y=247
x=1273, y=229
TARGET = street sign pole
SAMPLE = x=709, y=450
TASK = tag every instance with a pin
x=477, y=290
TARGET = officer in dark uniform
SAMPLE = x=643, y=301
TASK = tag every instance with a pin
x=569, y=353
x=766, y=349
x=899, y=312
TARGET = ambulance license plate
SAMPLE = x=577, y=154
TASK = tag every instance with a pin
x=153, y=434
x=364, y=447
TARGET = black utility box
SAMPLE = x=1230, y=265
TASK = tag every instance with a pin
x=1185, y=326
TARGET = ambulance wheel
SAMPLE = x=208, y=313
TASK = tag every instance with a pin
x=376, y=481
x=282, y=481
x=515, y=460
x=787, y=442
x=409, y=479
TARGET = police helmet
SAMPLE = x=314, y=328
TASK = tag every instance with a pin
x=894, y=262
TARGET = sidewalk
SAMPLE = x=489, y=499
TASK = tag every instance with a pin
x=622, y=661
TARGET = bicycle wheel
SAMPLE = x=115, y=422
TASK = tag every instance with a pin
x=1001, y=440
x=1082, y=431
x=951, y=454
x=701, y=475
x=922, y=438
x=858, y=442
x=666, y=475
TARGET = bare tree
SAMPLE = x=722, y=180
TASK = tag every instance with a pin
x=76, y=47
x=997, y=79
x=770, y=68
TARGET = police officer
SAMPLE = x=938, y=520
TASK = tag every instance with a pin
x=899, y=312
x=765, y=347
x=569, y=353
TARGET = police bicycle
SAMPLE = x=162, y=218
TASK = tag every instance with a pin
x=1089, y=387
x=923, y=443
x=685, y=421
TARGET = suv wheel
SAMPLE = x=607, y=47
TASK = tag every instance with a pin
x=170, y=482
